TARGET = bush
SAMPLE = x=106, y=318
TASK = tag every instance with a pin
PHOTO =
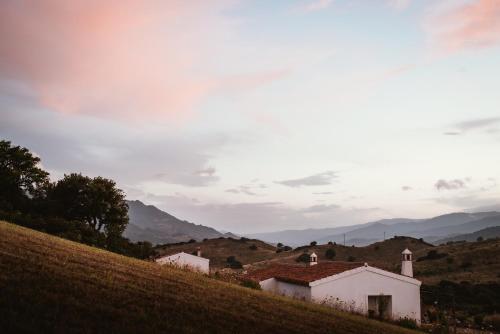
x=351, y=258
x=492, y=321
x=330, y=253
x=248, y=283
x=479, y=239
x=313, y=243
x=191, y=241
x=304, y=257
x=233, y=263
x=407, y=323
x=330, y=243
x=253, y=247
x=432, y=255
x=287, y=248
x=236, y=265
x=279, y=245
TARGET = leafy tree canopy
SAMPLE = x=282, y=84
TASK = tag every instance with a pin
x=95, y=201
x=21, y=177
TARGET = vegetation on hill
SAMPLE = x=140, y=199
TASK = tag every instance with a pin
x=55, y=285
x=77, y=207
x=246, y=251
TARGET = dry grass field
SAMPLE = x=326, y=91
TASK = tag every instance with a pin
x=52, y=285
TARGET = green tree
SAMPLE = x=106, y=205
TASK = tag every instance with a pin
x=21, y=178
x=95, y=201
x=330, y=253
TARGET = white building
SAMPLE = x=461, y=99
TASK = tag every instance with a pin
x=194, y=262
x=348, y=285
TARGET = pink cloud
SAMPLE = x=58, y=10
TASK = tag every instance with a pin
x=119, y=58
x=473, y=25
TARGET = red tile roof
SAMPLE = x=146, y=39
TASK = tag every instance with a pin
x=303, y=275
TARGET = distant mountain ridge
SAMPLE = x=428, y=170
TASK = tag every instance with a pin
x=430, y=230
x=148, y=223
x=486, y=233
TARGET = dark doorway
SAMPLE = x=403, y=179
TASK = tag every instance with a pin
x=380, y=306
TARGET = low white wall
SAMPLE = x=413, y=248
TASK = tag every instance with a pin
x=352, y=293
x=186, y=260
x=286, y=289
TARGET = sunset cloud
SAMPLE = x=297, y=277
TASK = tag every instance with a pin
x=119, y=59
x=471, y=25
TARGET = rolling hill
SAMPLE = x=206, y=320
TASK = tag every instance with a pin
x=148, y=223
x=474, y=262
x=218, y=250
x=486, y=233
x=54, y=285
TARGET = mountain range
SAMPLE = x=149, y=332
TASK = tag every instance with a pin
x=148, y=223
x=431, y=230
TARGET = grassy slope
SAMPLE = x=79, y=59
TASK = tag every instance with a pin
x=52, y=285
x=218, y=250
x=474, y=262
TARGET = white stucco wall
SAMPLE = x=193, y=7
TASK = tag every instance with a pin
x=286, y=289
x=350, y=290
x=353, y=291
x=187, y=260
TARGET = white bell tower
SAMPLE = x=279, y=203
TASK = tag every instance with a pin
x=313, y=259
x=406, y=264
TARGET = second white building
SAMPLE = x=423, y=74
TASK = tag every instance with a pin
x=351, y=286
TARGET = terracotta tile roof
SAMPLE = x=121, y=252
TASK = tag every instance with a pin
x=303, y=275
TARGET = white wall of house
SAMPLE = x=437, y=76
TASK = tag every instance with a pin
x=353, y=288
x=286, y=289
x=350, y=290
x=182, y=259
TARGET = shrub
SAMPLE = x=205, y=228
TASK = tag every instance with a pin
x=351, y=258
x=313, y=243
x=492, y=321
x=248, y=283
x=253, y=247
x=243, y=239
x=279, y=245
x=330, y=243
x=330, y=253
x=191, y=241
x=304, y=257
x=377, y=247
x=233, y=263
x=287, y=248
x=479, y=239
x=407, y=323
x=279, y=250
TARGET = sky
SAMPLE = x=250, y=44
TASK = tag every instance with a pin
x=255, y=116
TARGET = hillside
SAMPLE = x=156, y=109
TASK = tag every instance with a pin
x=486, y=233
x=218, y=250
x=475, y=262
x=148, y=223
x=54, y=285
